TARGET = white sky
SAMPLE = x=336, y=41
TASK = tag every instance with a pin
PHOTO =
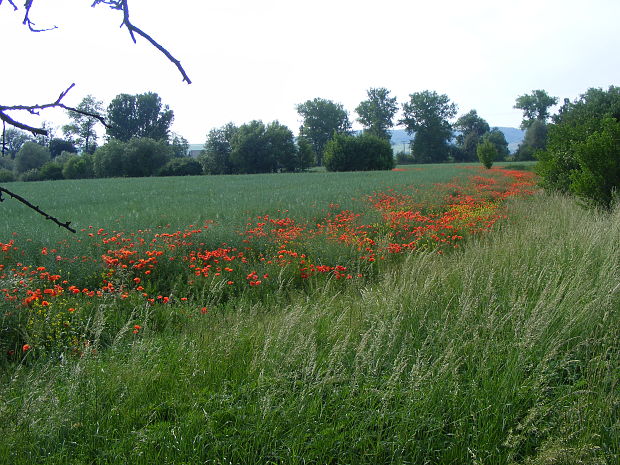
x=258, y=59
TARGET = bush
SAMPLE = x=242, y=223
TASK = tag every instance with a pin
x=144, y=157
x=6, y=175
x=7, y=163
x=31, y=156
x=181, y=167
x=362, y=153
x=487, y=152
x=77, y=167
x=403, y=158
x=583, y=151
x=51, y=171
x=30, y=175
x=108, y=159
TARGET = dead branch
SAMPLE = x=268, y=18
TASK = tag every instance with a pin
x=15, y=196
x=34, y=110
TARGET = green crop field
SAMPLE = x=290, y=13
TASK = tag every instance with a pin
x=439, y=314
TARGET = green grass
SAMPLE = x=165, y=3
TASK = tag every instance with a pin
x=505, y=352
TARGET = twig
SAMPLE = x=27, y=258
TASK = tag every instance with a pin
x=34, y=110
x=36, y=209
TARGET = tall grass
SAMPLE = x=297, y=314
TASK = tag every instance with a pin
x=503, y=353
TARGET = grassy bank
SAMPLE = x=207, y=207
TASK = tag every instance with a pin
x=504, y=352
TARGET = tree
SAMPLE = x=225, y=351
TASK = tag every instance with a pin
x=535, y=107
x=57, y=146
x=497, y=138
x=108, y=159
x=487, y=152
x=365, y=152
x=250, y=153
x=215, y=158
x=81, y=130
x=31, y=156
x=321, y=120
x=582, y=156
x=179, y=146
x=305, y=154
x=185, y=166
x=13, y=139
x=281, y=146
x=426, y=115
x=141, y=115
x=144, y=157
x=79, y=167
x=535, y=139
x=471, y=127
x=376, y=113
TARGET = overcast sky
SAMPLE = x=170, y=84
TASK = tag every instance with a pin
x=257, y=60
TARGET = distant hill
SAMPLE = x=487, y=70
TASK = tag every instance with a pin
x=514, y=136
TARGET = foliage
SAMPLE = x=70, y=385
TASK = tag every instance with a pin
x=138, y=116
x=427, y=114
x=471, y=127
x=51, y=171
x=31, y=156
x=535, y=107
x=30, y=175
x=376, y=113
x=6, y=175
x=365, y=152
x=497, y=138
x=321, y=120
x=108, y=159
x=535, y=139
x=403, y=158
x=179, y=146
x=215, y=158
x=79, y=167
x=305, y=154
x=582, y=154
x=487, y=152
x=7, y=163
x=57, y=146
x=13, y=140
x=144, y=157
x=181, y=167
x=82, y=129
x=281, y=146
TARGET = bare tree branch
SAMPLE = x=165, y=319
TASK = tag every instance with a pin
x=65, y=225
x=123, y=5
x=34, y=110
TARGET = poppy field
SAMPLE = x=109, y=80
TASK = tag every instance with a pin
x=432, y=314
x=51, y=289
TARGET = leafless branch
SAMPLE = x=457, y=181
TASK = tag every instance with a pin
x=123, y=5
x=15, y=196
x=34, y=110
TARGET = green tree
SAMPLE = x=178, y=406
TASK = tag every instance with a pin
x=365, y=152
x=51, y=171
x=82, y=129
x=281, y=146
x=13, y=140
x=376, y=113
x=535, y=139
x=108, y=159
x=426, y=115
x=178, y=145
x=471, y=127
x=583, y=149
x=215, y=158
x=79, y=167
x=487, y=152
x=497, y=138
x=535, y=107
x=178, y=166
x=305, y=154
x=321, y=120
x=31, y=156
x=136, y=116
x=144, y=157
x=57, y=146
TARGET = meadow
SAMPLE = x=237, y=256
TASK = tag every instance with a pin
x=438, y=314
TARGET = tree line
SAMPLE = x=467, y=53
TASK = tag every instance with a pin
x=139, y=142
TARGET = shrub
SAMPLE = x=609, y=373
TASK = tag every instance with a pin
x=144, y=157
x=51, y=171
x=6, y=175
x=181, y=167
x=583, y=151
x=108, y=159
x=30, y=175
x=362, y=153
x=77, y=167
x=487, y=152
